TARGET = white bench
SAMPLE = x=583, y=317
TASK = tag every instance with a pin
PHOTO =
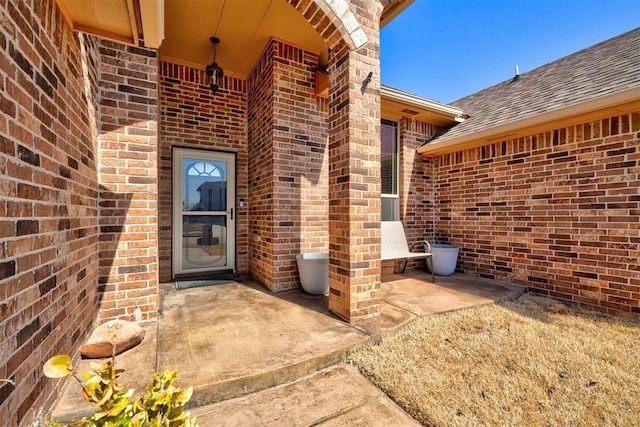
x=394, y=246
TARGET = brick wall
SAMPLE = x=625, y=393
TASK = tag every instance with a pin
x=48, y=200
x=557, y=211
x=261, y=170
x=128, y=158
x=191, y=116
x=288, y=173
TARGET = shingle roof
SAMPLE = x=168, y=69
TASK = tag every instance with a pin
x=604, y=69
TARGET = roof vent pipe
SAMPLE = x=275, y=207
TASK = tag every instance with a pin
x=517, y=76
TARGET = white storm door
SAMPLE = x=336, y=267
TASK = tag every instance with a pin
x=203, y=211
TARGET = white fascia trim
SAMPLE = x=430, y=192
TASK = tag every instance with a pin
x=152, y=16
x=407, y=98
x=551, y=116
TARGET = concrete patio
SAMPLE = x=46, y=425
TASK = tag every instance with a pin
x=245, y=347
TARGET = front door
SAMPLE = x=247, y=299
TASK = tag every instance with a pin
x=203, y=211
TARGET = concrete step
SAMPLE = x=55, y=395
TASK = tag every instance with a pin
x=336, y=396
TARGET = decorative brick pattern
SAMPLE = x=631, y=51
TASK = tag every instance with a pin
x=48, y=201
x=320, y=14
x=557, y=211
x=288, y=165
x=128, y=163
x=191, y=116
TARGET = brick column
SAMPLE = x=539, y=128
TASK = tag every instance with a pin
x=261, y=166
x=128, y=156
x=354, y=181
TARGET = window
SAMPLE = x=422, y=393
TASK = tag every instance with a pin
x=389, y=163
x=204, y=169
x=204, y=185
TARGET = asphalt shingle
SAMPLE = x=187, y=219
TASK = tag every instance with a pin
x=606, y=68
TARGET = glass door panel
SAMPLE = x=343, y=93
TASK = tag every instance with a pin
x=204, y=185
x=204, y=242
x=204, y=233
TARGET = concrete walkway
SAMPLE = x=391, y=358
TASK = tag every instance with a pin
x=335, y=396
x=229, y=341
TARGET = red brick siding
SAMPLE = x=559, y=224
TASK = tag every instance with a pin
x=261, y=170
x=192, y=117
x=48, y=201
x=557, y=211
x=288, y=140
x=300, y=141
x=416, y=185
x=128, y=275
x=354, y=172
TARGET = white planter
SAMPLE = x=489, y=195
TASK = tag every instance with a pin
x=314, y=272
x=445, y=258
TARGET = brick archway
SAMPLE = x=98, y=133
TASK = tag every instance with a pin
x=334, y=21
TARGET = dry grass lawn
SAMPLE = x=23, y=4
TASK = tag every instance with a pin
x=531, y=362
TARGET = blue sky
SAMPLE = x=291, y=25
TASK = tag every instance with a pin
x=446, y=49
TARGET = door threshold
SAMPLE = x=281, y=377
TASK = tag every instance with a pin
x=208, y=280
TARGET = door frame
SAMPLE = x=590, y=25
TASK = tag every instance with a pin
x=178, y=153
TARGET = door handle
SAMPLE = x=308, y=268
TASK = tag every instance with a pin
x=231, y=214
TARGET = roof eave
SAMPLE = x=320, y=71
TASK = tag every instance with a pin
x=510, y=130
x=393, y=10
x=456, y=114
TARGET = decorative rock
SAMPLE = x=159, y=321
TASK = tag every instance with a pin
x=124, y=335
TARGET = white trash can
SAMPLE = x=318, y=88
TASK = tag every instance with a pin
x=314, y=272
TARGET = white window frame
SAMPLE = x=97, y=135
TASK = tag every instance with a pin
x=397, y=168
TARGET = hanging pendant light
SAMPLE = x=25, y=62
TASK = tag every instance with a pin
x=214, y=71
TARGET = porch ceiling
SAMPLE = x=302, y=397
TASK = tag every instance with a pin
x=181, y=28
x=243, y=27
x=114, y=19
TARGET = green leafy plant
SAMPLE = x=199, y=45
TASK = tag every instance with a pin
x=161, y=405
